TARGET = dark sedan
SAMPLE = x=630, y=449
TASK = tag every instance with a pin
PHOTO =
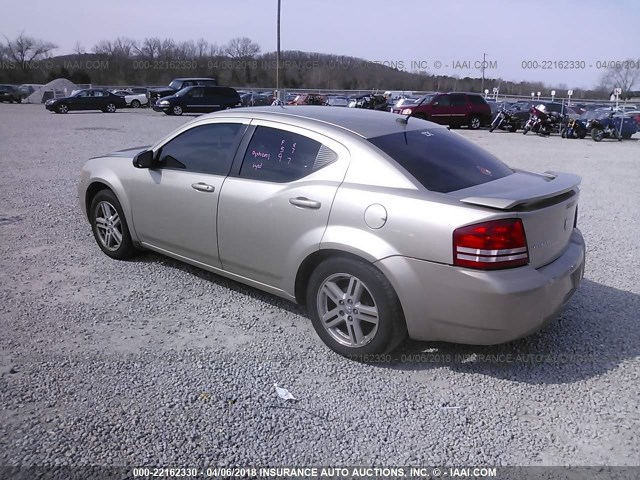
x=198, y=99
x=9, y=93
x=89, y=99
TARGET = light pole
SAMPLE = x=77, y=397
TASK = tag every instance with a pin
x=278, y=54
x=484, y=62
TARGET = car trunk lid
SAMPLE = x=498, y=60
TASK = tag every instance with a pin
x=547, y=204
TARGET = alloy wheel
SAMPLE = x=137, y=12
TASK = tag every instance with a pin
x=108, y=226
x=347, y=310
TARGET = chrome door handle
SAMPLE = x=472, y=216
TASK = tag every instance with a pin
x=203, y=187
x=304, y=202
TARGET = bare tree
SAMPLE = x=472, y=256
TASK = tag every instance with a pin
x=78, y=49
x=624, y=75
x=25, y=50
x=241, y=48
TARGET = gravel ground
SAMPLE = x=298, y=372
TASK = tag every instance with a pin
x=152, y=362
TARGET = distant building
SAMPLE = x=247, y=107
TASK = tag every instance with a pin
x=632, y=96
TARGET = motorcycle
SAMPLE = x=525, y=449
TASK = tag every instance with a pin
x=575, y=128
x=603, y=128
x=541, y=122
x=505, y=120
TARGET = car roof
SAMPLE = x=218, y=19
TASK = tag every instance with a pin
x=363, y=122
x=194, y=78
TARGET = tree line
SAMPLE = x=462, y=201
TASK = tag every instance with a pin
x=241, y=63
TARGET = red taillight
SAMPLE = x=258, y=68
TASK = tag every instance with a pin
x=491, y=245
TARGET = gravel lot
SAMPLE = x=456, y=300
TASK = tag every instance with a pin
x=152, y=362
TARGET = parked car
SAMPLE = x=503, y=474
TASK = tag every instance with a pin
x=9, y=93
x=337, y=101
x=154, y=94
x=134, y=100
x=251, y=99
x=635, y=114
x=454, y=109
x=393, y=228
x=27, y=89
x=309, y=99
x=369, y=101
x=88, y=99
x=139, y=90
x=198, y=99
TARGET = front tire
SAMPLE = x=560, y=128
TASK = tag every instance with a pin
x=109, y=226
x=176, y=110
x=62, y=108
x=353, y=308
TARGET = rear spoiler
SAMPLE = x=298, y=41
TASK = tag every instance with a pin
x=520, y=188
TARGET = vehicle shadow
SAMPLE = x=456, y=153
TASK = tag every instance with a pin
x=274, y=300
x=597, y=332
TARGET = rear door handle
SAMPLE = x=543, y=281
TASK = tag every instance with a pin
x=304, y=202
x=203, y=187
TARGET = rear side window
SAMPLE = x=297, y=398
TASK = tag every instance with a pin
x=477, y=100
x=440, y=160
x=276, y=155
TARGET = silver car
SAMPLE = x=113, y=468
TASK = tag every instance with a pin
x=382, y=226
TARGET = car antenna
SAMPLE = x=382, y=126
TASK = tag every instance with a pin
x=405, y=120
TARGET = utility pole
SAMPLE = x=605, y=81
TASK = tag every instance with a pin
x=278, y=55
x=484, y=62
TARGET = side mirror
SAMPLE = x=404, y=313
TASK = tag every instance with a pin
x=144, y=159
x=435, y=104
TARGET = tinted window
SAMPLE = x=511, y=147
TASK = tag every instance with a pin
x=477, y=99
x=196, y=92
x=440, y=160
x=458, y=100
x=207, y=148
x=443, y=101
x=276, y=155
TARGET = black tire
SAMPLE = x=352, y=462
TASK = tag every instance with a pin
x=626, y=136
x=582, y=134
x=377, y=294
x=135, y=103
x=176, y=110
x=110, y=108
x=103, y=204
x=62, y=108
x=597, y=134
x=513, y=128
x=19, y=100
x=474, y=122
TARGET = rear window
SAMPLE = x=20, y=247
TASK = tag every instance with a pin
x=441, y=160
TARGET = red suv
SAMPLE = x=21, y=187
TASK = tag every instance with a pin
x=454, y=109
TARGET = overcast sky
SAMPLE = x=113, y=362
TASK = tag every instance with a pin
x=450, y=32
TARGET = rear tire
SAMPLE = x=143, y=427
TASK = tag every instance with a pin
x=626, y=136
x=110, y=108
x=354, y=309
x=474, y=122
x=135, y=103
x=109, y=226
x=597, y=134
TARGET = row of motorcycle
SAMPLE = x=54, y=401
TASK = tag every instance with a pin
x=545, y=123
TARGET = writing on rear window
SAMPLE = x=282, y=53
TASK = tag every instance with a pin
x=279, y=156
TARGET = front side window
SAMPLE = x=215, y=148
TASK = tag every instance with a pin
x=206, y=148
x=458, y=100
x=440, y=160
x=442, y=101
x=276, y=155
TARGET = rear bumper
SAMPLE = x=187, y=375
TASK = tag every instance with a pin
x=459, y=305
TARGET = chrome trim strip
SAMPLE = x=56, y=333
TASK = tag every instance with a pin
x=491, y=259
x=504, y=251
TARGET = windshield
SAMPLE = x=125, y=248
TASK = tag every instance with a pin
x=442, y=161
x=176, y=85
